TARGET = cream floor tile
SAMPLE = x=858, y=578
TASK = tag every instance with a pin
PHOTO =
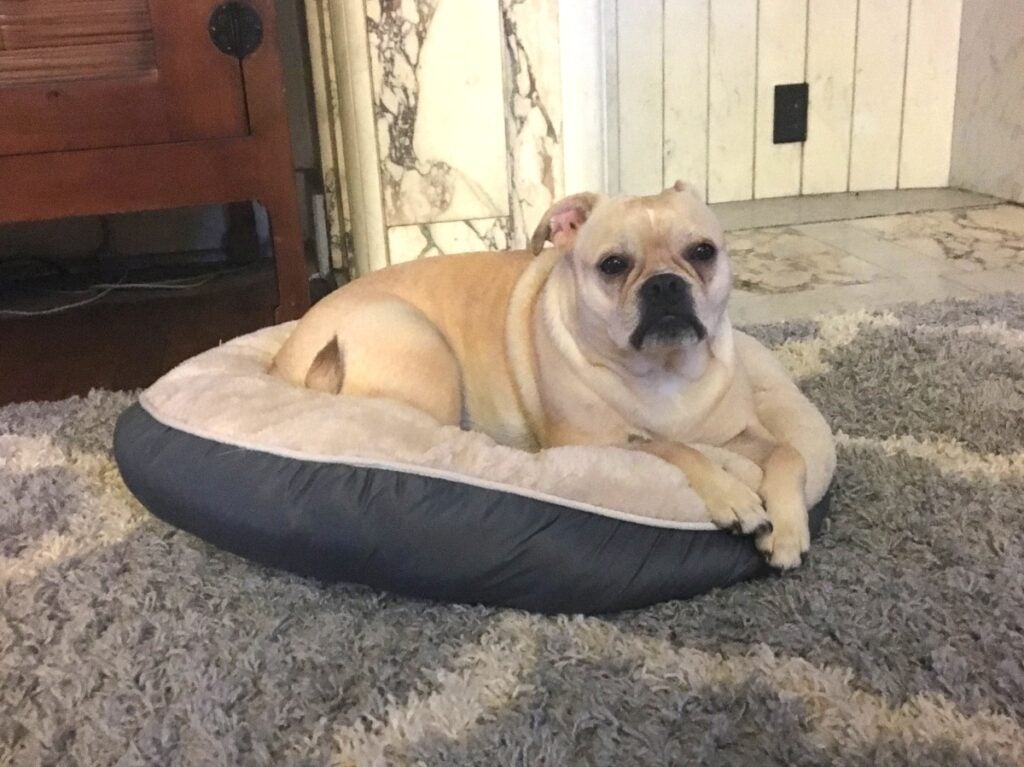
x=749, y=308
x=805, y=270
x=965, y=240
x=784, y=260
x=992, y=280
x=892, y=257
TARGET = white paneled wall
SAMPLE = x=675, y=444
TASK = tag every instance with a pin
x=732, y=99
x=878, y=93
x=691, y=94
x=640, y=93
x=685, y=35
x=831, y=46
x=781, y=58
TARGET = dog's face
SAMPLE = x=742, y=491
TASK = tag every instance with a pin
x=651, y=272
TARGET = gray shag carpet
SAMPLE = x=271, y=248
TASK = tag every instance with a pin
x=901, y=641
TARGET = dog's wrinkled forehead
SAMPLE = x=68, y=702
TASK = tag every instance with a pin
x=644, y=225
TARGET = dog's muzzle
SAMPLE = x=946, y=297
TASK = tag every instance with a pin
x=667, y=313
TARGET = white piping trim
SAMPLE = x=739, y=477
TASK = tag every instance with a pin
x=424, y=471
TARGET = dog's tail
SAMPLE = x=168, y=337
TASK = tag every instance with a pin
x=327, y=373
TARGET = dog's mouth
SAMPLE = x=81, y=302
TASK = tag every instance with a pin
x=668, y=327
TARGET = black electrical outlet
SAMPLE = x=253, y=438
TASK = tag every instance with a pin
x=790, y=113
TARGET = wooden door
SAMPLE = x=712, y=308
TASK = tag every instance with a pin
x=86, y=74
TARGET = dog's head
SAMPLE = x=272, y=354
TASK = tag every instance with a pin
x=653, y=271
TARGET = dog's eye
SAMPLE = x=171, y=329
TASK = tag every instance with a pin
x=703, y=251
x=613, y=265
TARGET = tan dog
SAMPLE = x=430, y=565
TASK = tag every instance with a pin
x=616, y=336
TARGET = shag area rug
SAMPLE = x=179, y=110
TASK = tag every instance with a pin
x=901, y=641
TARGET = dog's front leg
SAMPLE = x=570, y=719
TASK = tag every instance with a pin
x=731, y=504
x=783, y=492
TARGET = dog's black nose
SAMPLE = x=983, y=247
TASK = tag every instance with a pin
x=663, y=288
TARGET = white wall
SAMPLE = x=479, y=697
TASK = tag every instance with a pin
x=691, y=89
x=988, y=137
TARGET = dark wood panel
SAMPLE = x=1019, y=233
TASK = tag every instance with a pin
x=95, y=113
x=124, y=345
x=256, y=167
x=101, y=61
x=61, y=174
x=202, y=88
x=123, y=180
x=143, y=73
x=58, y=23
x=47, y=41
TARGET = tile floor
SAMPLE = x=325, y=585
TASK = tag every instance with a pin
x=952, y=244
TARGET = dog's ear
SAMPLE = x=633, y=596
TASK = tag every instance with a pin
x=327, y=373
x=563, y=219
x=686, y=186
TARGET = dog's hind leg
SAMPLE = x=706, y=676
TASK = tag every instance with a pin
x=377, y=345
x=327, y=373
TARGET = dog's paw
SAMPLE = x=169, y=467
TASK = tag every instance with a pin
x=784, y=545
x=732, y=505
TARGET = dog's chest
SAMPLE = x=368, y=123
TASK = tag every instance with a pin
x=710, y=411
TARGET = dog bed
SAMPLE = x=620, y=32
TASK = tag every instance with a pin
x=374, y=492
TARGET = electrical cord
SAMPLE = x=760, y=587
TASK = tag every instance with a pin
x=175, y=284
x=59, y=309
x=106, y=288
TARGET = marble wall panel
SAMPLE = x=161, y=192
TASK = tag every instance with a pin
x=439, y=116
x=533, y=112
x=407, y=243
x=438, y=104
